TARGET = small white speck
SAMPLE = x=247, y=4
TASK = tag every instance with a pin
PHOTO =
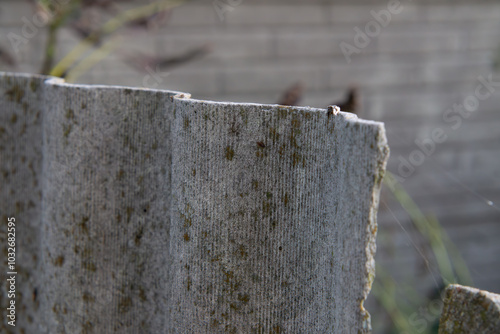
x=334, y=109
x=490, y=203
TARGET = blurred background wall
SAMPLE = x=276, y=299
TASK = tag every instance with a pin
x=413, y=73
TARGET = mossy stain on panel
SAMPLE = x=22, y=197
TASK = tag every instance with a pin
x=89, y=265
x=59, y=261
x=88, y=298
x=130, y=211
x=16, y=93
x=274, y=135
x=138, y=235
x=34, y=84
x=83, y=225
x=67, y=130
x=125, y=304
x=229, y=153
x=70, y=114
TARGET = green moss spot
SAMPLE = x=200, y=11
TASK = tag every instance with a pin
x=88, y=265
x=296, y=158
x=274, y=135
x=59, y=261
x=244, y=298
x=67, y=130
x=295, y=123
x=266, y=208
x=269, y=195
x=293, y=139
x=282, y=111
x=273, y=224
x=229, y=153
x=34, y=85
x=138, y=235
x=87, y=327
x=125, y=304
x=16, y=93
x=242, y=252
x=88, y=298
x=87, y=253
x=13, y=119
x=188, y=221
x=142, y=294
x=19, y=207
x=214, y=323
x=25, y=107
x=130, y=210
x=70, y=114
x=332, y=128
x=83, y=225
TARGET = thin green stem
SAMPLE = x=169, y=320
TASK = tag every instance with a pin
x=56, y=22
x=111, y=26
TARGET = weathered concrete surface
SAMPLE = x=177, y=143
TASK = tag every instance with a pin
x=106, y=219
x=273, y=218
x=21, y=193
x=164, y=214
x=470, y=310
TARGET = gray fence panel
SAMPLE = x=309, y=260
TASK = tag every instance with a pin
x=21, y=116
x=162, y=213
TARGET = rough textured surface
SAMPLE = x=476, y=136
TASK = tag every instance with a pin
x=106, y=217
x=469, y=310
x=167, y=214
x=21, y=192
x=425, y=61
x=273, y=218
